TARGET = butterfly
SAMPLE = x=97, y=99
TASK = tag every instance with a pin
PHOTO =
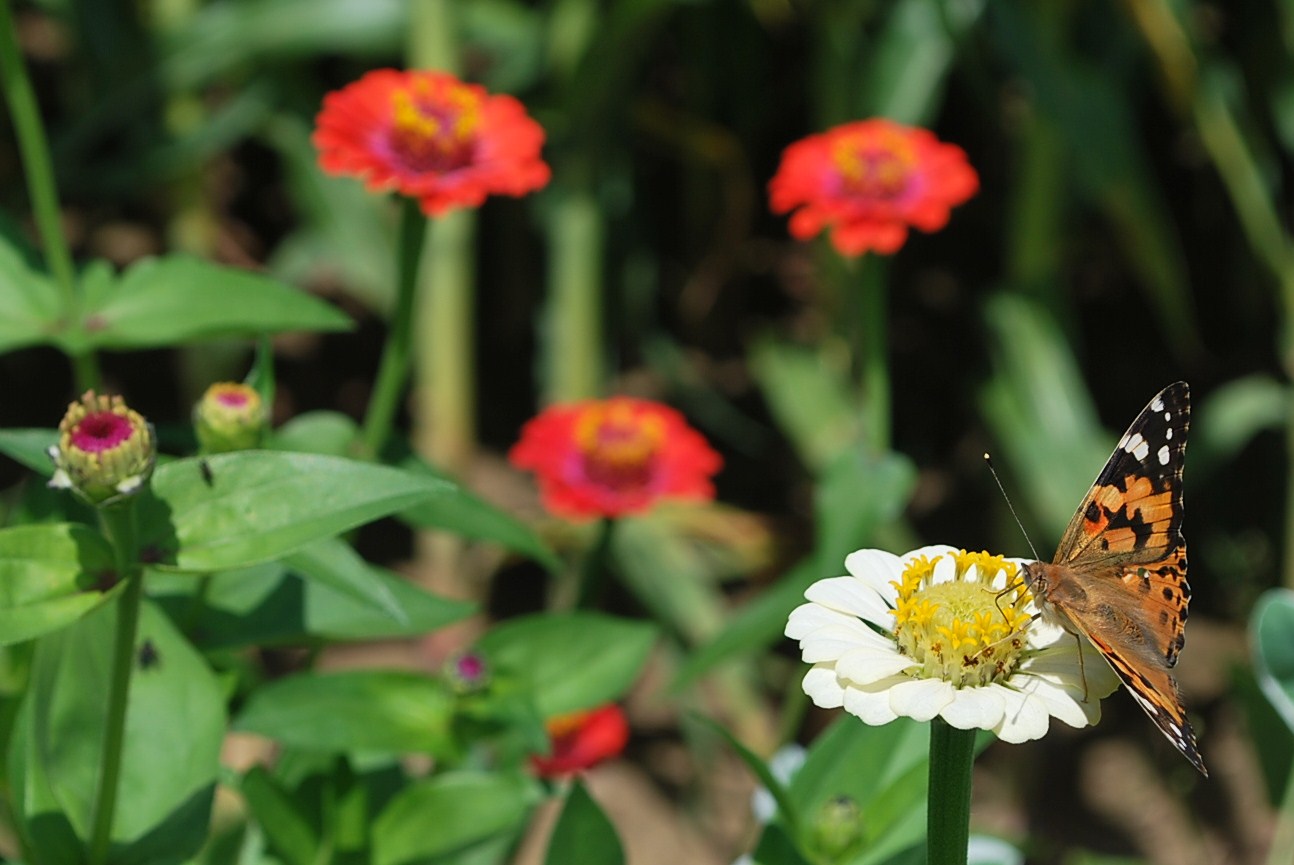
x=1119, y=575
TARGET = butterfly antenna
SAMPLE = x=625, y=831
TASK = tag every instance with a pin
x=989, y=460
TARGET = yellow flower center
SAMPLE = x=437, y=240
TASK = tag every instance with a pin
x=965, y=630
x=434, y=124
x=876, y=164
x=619, y=445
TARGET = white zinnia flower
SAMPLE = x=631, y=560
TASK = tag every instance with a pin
x=938, y=632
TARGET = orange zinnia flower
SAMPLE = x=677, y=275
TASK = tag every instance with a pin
x=581, y=740
x=868, y=181
x=606, y=458
x=429, y=136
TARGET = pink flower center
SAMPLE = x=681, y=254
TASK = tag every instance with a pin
x=470, y=668
x=876, y=164
x=101, y=431
x=232, y=398
x=434, y=125
x=618, y=446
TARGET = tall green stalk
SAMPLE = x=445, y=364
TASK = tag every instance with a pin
x=874, y=351
x=120, y=527
x=952, y=754
x=574, y=343
x=396, y=355
x=39, y=172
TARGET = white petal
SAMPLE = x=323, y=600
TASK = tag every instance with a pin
x=1025, y=718
x=876, y=568
x=921, y=699
x=816, y=651
x=1063, y=705
x=855, y=596
x=823, y=689
x=976, y=708
x=872, y=703
x=807, y=618
x=863, y=666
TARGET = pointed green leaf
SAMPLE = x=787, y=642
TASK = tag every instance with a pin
x=48, y=577
x=30, y=306
x=172, y=300
x=175, y=724
x=338, y=566
x=380, y=710
x=264, y=605
x=462, y=513
x=469, y=807
x=583, y=833
x=254, y=506
x=287, y=829
x=30, y=447
x=543, y=650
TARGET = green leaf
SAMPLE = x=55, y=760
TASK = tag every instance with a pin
x=266, y=605
x=338, y=566
x=175, y=724
x=173, y=300
x=1232, y=415
x=287, y=829
x=468, y=807
x=460, y=512
x=809, y=394
x=31, y=308
x=757, y=625
x=1040, y=412
x=883, y=769
x=1271, y=632
x=543, y=650
x=857, y=494
x=583, y=833
x=317, y=432
x=48, y=578
x=355, y=710
x=30, y=447
x=260, y=505
x=904, y=75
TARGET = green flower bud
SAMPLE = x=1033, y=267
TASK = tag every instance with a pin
x=229, y=417
x=838, y=829
x=105, y=451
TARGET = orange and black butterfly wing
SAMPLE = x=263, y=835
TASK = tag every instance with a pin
x=1129, y=526
x=1125, y=548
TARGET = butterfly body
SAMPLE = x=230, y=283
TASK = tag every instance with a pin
x=1119, y=574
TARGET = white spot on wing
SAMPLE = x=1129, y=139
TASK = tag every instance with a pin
x=1163, y=455
x=1137, y=446
x=1157, y=404
x=1168, y=415
x=1168, y=433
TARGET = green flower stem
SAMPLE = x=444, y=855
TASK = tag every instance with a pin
x=593, y=573
x=952, y=753
x=874, y=353
x=394, y=369
x=39, y=172
x=574, y=344
x=119, y=523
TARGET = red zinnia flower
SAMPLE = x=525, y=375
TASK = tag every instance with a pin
x=581, y=740
x=868, y=181
x=429, y=136
x=606, y=458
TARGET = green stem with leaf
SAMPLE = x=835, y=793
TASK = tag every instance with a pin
x=120, y=527
x=39, y=172
x=393, y=373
